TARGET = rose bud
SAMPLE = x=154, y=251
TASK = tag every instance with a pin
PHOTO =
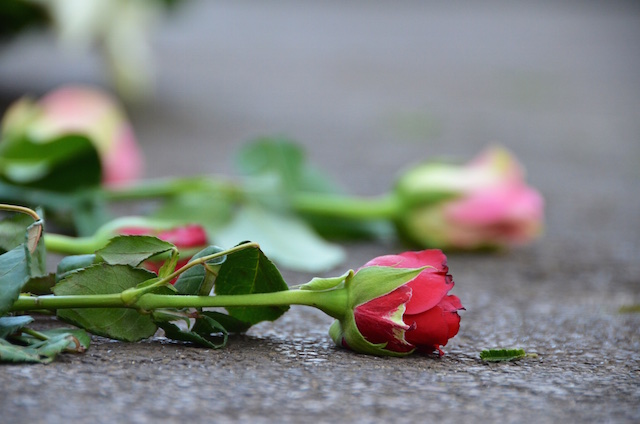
x=86, y=111
x=189, y=237
x=398, y=304
x=483, y=204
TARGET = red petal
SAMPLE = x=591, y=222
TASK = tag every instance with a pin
x=187, y=236
x=431, y=257
x=434, y=327
x=428, y=289
x=374, y=322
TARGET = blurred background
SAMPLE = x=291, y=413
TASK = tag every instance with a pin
x=371, y=87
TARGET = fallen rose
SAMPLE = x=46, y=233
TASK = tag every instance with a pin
x=87, y=111
x=485, y=203
x=399, y=304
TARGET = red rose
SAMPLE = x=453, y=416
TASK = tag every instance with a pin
x=417, y=314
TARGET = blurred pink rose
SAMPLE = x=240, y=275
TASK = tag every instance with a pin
x=88, y=111
x=485, y=203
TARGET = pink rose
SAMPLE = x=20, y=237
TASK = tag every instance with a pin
x=485, y=203
x=417, y=314
x=87, y=111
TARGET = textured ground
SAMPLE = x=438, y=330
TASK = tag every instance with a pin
x=369, y=88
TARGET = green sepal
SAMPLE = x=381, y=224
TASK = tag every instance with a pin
x=322, y=284
x=374, y=281
x=347, y=329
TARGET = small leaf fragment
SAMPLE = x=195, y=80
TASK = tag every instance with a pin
x=502, y=355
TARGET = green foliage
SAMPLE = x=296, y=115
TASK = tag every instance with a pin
x=116, y=323
x=39, y=347
x=285, y=160
x=287, y=239
x=207, y=207
x=200, y=334
x=132, y=250
x=62, y=174
x=42, y=352
x=14, y=273
x=502, y=355
x=231, y=324
x=72, y=263
x=198, y=280
x=64, y=164
x=246, y=272
x=10, y=325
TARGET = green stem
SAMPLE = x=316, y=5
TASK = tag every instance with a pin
x=20, y=209
x=167, y=187
x=369, y=208
x=72, y=245
x=381, y=207
x=130, y=296
x=35, y=334
x=332, y=302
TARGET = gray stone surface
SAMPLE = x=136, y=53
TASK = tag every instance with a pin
x=368, y=88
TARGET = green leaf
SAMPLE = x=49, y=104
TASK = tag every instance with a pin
x=629, y=309
x=231, y=324
x=12, y=230
x=502, y=355
x=73, y=263
x=116, y=323
x=14, y=273
x=83, y=338
x=191, y=281
x=249, y=271
x=132, y=250
x=40, y=285
x=207, y=327
x=9, y=325
x=172, y=331
x=13, y=353
x=49, y=348
x=206, y=207
x=286, y=239
x=64, y=164
x=21, y=229
x=285, y=160
x=82, y=210
x=36, y=253
x=39, y=352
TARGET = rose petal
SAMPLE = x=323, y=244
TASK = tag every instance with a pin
x=433, y=329
x=431, y=257
x=375, y=322
x=428, y=290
